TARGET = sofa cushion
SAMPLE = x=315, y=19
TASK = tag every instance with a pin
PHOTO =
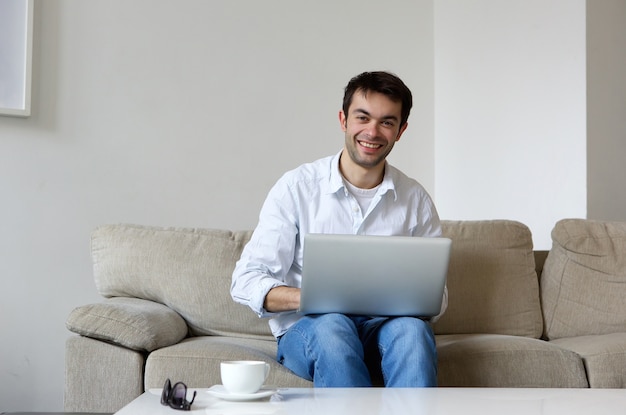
x=495, y=360
x=130, y=322
x=583, y=284
x=604, y=357
x=189, y=270
x=196, y=361
x=492, y=283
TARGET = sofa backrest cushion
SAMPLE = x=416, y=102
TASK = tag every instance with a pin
x=492, y=283
x=189, y=270
x=583, y=284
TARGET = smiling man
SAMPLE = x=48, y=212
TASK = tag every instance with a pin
x=353, y=192
x=372, y=125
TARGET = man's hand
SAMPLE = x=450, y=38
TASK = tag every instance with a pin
x=282, y=299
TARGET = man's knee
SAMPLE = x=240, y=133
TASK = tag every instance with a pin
x=409, y=330
x=324, y=347
x=410, y=325
x=333, y=325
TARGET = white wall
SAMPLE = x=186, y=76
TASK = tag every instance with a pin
x=606, y=110
x=176, y=114
x=510, y=108
x=184, y=113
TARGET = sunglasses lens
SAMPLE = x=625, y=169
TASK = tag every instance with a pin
x=165, y=395
x=176, y=396
x=179, y=392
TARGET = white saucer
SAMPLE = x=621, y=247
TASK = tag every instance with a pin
x=219, y=391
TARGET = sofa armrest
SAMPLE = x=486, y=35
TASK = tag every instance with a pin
x=130, y=322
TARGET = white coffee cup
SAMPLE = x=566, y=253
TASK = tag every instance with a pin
x=244, y=376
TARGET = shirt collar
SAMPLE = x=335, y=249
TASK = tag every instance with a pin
x=335, y=182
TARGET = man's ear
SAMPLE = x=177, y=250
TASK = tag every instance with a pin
x=343, y=121
x=402, y=129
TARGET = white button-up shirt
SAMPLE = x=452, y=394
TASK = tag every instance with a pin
x=313, y=199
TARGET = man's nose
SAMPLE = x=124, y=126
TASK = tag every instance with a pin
x=372, y=129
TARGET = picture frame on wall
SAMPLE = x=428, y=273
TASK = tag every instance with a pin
x=16, y=50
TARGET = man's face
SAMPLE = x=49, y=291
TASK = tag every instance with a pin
x=372, y=127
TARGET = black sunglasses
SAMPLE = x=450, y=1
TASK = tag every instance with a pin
x=176, y=396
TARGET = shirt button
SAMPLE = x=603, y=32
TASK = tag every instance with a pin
x=355, y=208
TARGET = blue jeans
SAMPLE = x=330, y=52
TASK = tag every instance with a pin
x=335, y=350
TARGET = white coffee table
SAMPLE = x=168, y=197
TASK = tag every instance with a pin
x=381, y=401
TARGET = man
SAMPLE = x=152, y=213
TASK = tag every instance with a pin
x=353, y=192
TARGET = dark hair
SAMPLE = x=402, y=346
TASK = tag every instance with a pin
x=384, y=83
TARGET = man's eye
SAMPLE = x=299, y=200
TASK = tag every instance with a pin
x=388, y=123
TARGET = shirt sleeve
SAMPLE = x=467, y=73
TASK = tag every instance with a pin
x=430, y=226
x=269, y=255
x=444, y=305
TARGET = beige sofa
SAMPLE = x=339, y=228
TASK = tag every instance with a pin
x=167, y=312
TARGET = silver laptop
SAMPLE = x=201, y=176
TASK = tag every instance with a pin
x=373, y=275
